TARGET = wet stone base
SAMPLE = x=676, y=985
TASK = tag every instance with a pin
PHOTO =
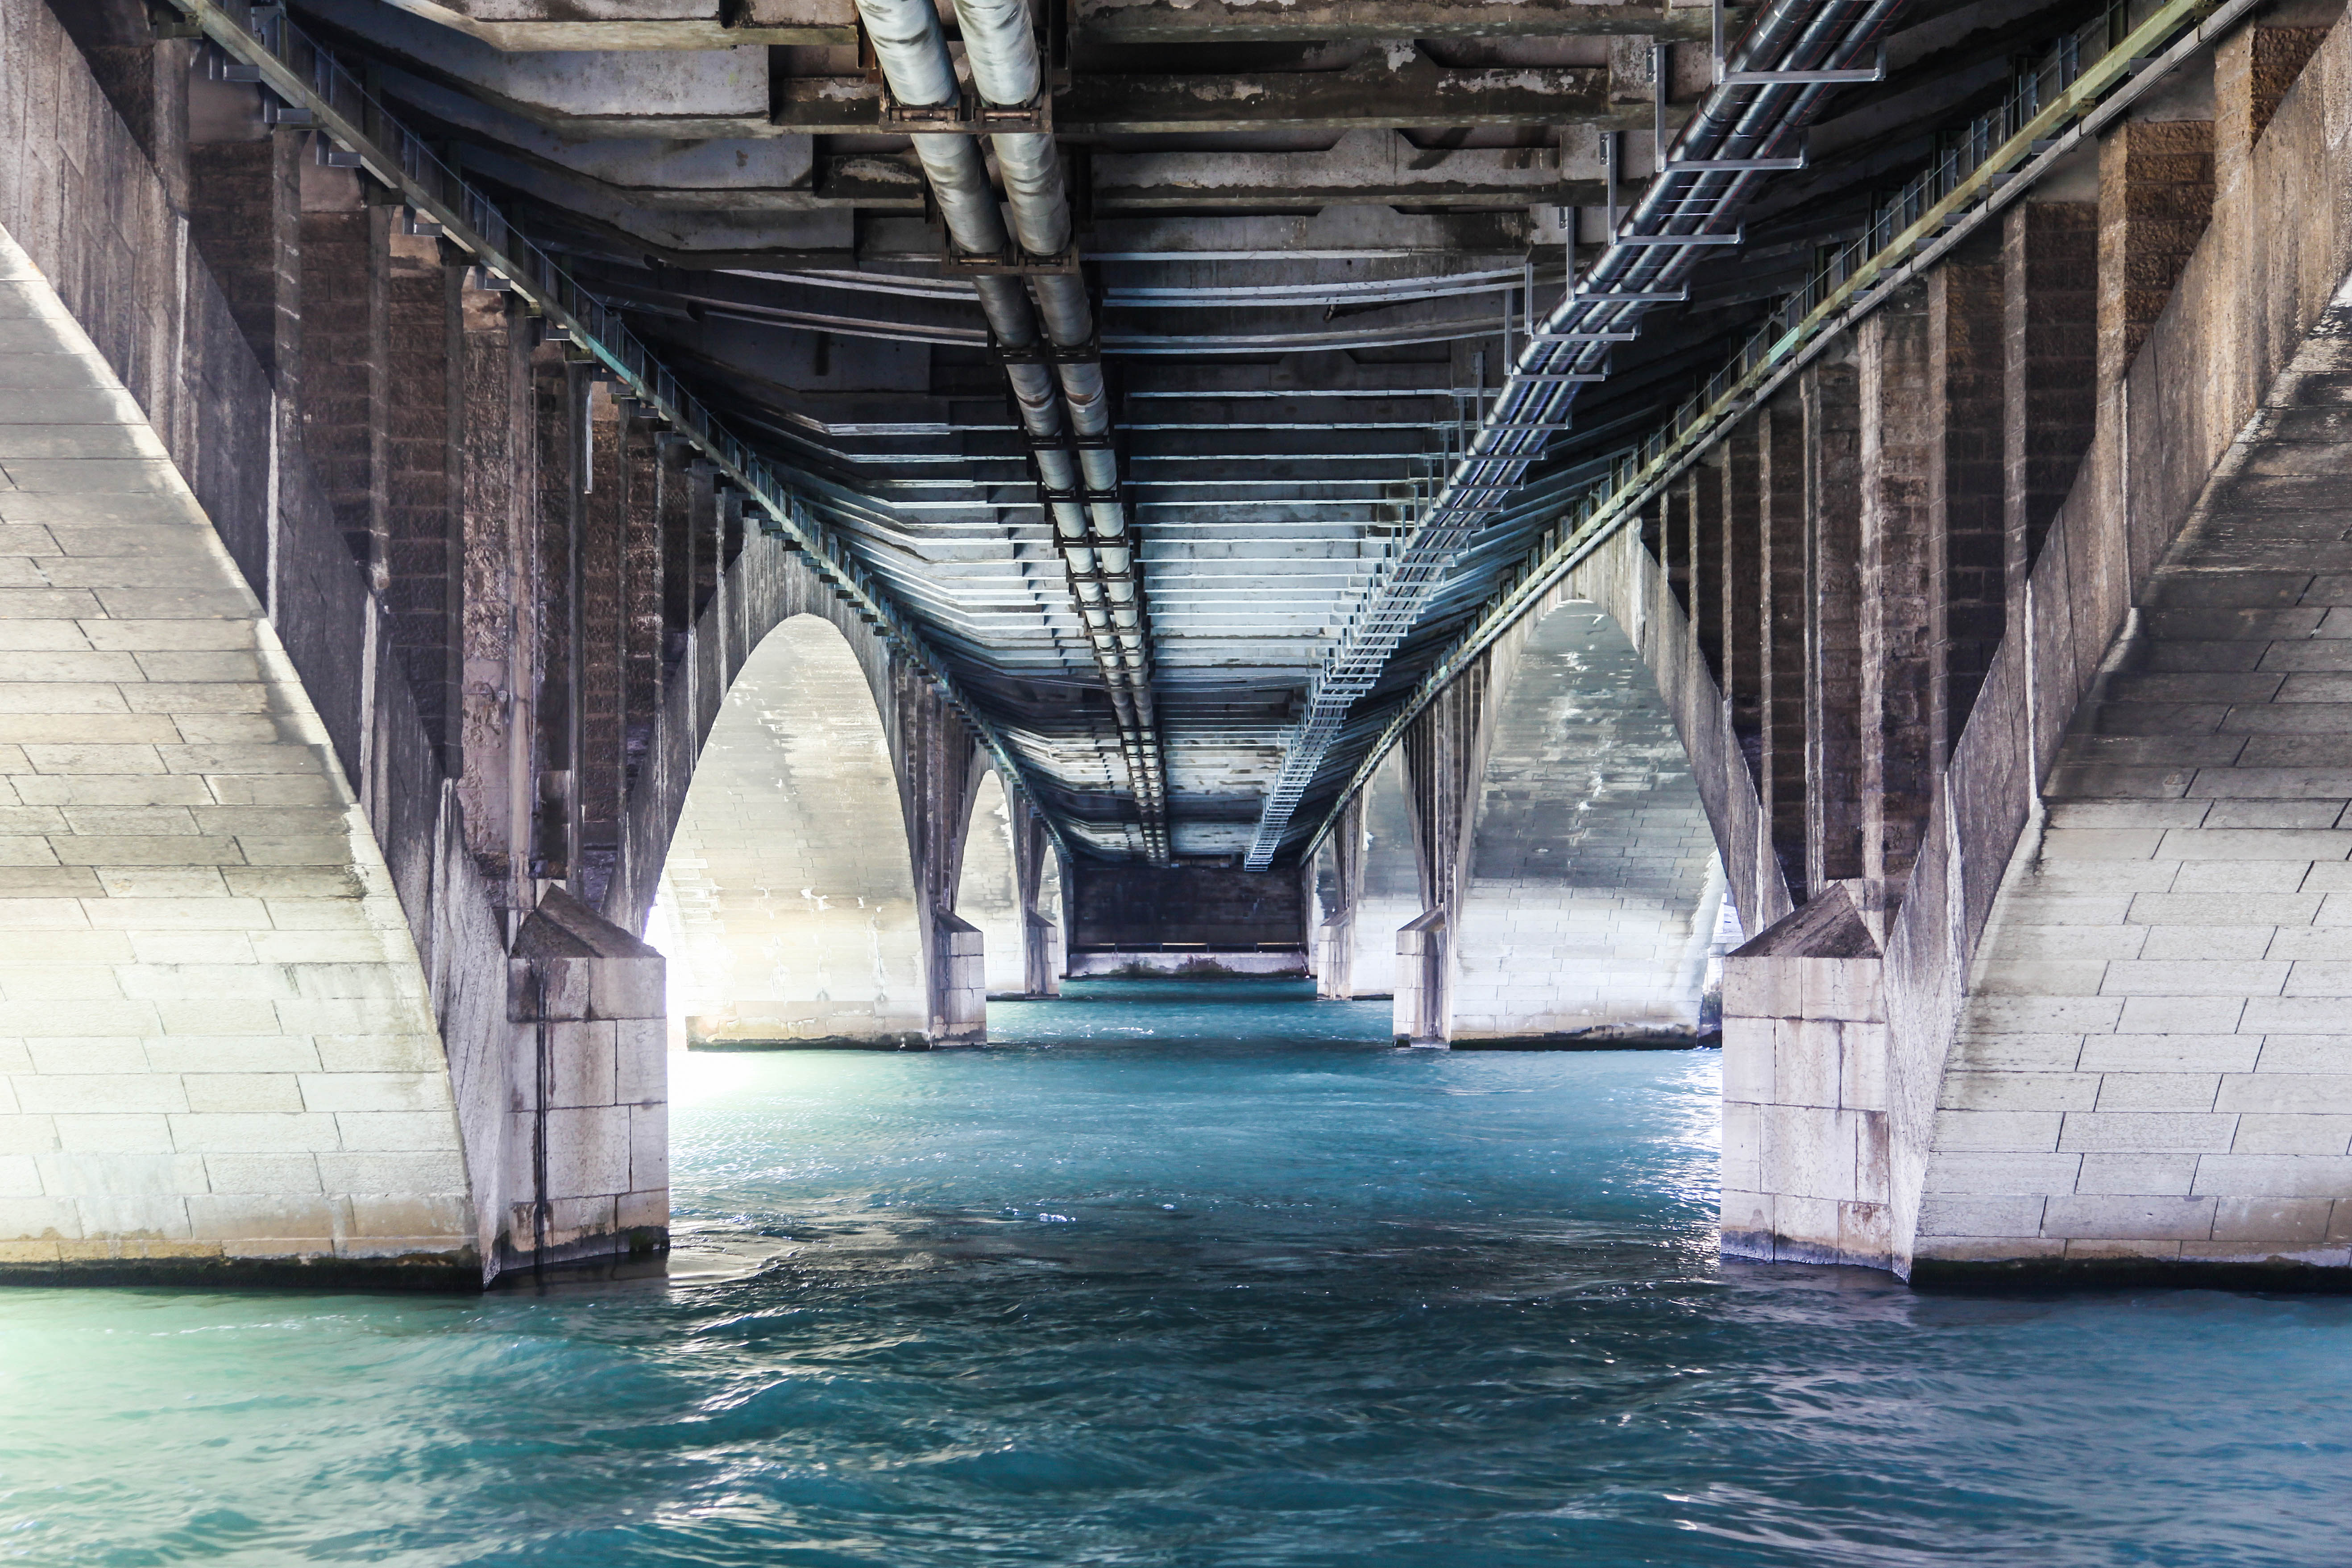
x=908, y=1041
x=450, y=1272
x=1601, y=1039
x=2283, y=1274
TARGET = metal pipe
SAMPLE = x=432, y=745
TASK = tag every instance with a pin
x=1006, y=72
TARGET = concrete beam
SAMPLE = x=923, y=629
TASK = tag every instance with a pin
x=606, y=25
x=1215, y=21
x=1420, y=93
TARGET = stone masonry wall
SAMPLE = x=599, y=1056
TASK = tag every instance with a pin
x=221, y=1040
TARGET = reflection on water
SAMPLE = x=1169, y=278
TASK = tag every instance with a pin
x=1180, y=1274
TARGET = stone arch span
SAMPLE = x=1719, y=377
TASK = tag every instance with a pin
x=1010, y=891
x=1590, y=894
x=1537, y=858
x=795, y=899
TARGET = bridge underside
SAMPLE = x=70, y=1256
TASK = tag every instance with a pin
x=916, y=507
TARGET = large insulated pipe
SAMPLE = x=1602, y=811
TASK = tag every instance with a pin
x=1091, y=533
x=1007, y=73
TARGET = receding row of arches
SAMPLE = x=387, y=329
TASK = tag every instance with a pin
x=788, y=906
x=1586, y=897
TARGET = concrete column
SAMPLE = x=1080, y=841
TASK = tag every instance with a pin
x=2155, y=197
x=603, y=654
x=345, y=249
x=1442, y=761
x=1744, y=592
x=1335, y=941
x=2050, y=306
x=1705, y=604
x=499, y=594
x=1040, y=933
x=1781, y=664
x=559, y=392
x=1966, y=488
x=424, y=416
x=642, y=597
x=1674, y=543
x=1897, y=620
x=244, y=219
x=1833, y=599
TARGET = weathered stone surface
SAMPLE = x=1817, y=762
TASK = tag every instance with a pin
x=237, y=980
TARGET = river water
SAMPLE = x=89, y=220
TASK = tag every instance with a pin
x=1183, y=1275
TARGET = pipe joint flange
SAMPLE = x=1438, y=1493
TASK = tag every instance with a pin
x=968, y=115
x=1012, y=262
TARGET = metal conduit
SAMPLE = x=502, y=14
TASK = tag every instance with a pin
x=1065, y=408
x=1740, y=118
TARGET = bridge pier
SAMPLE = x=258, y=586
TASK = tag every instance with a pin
x=2078, y=1013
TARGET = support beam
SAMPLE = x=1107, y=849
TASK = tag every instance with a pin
x=1422, y=93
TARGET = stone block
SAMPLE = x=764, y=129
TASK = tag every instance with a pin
x=2137, y=1174
x=2028, y=1091
x=2274, y=1176
x=2001, y=1172
x=588, y=1150
x=98, y=1093
x=1809, y=1152
x=2287, y=1093
x=2306, y=1053
x=404, y=1132
x=254, y=1216
x=2177, y=1015
x=253, y=1132
x=2193, y=944
x=39, y=1216
x=94, y=1133
x=235, y=1092
x=2147, y=1131
x=261, y=1174
x=230, y=1054
x=641, y=1060
x=1947, y=1214
x=646, y=1210
x=105, y=1053
x=2022, y=1131
x=374, y=1215
x=2085, y=1217
x=2293, y=1221
x=1806, y=1062
x=1995, y=1249
x=398, y=1172
x=2179, y=977
x=2263, y=1132
x=650, y=1147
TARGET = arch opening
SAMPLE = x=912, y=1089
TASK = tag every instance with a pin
x=788, y=903
x=1594, y=894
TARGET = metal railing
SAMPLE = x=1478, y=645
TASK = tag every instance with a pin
x=2081, y=81
x=315, y=88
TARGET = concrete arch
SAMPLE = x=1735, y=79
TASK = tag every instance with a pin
x=1591, y=897
x=987, y=893
x=796, y=902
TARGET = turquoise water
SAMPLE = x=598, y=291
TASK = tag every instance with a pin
x=1180, y=1276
